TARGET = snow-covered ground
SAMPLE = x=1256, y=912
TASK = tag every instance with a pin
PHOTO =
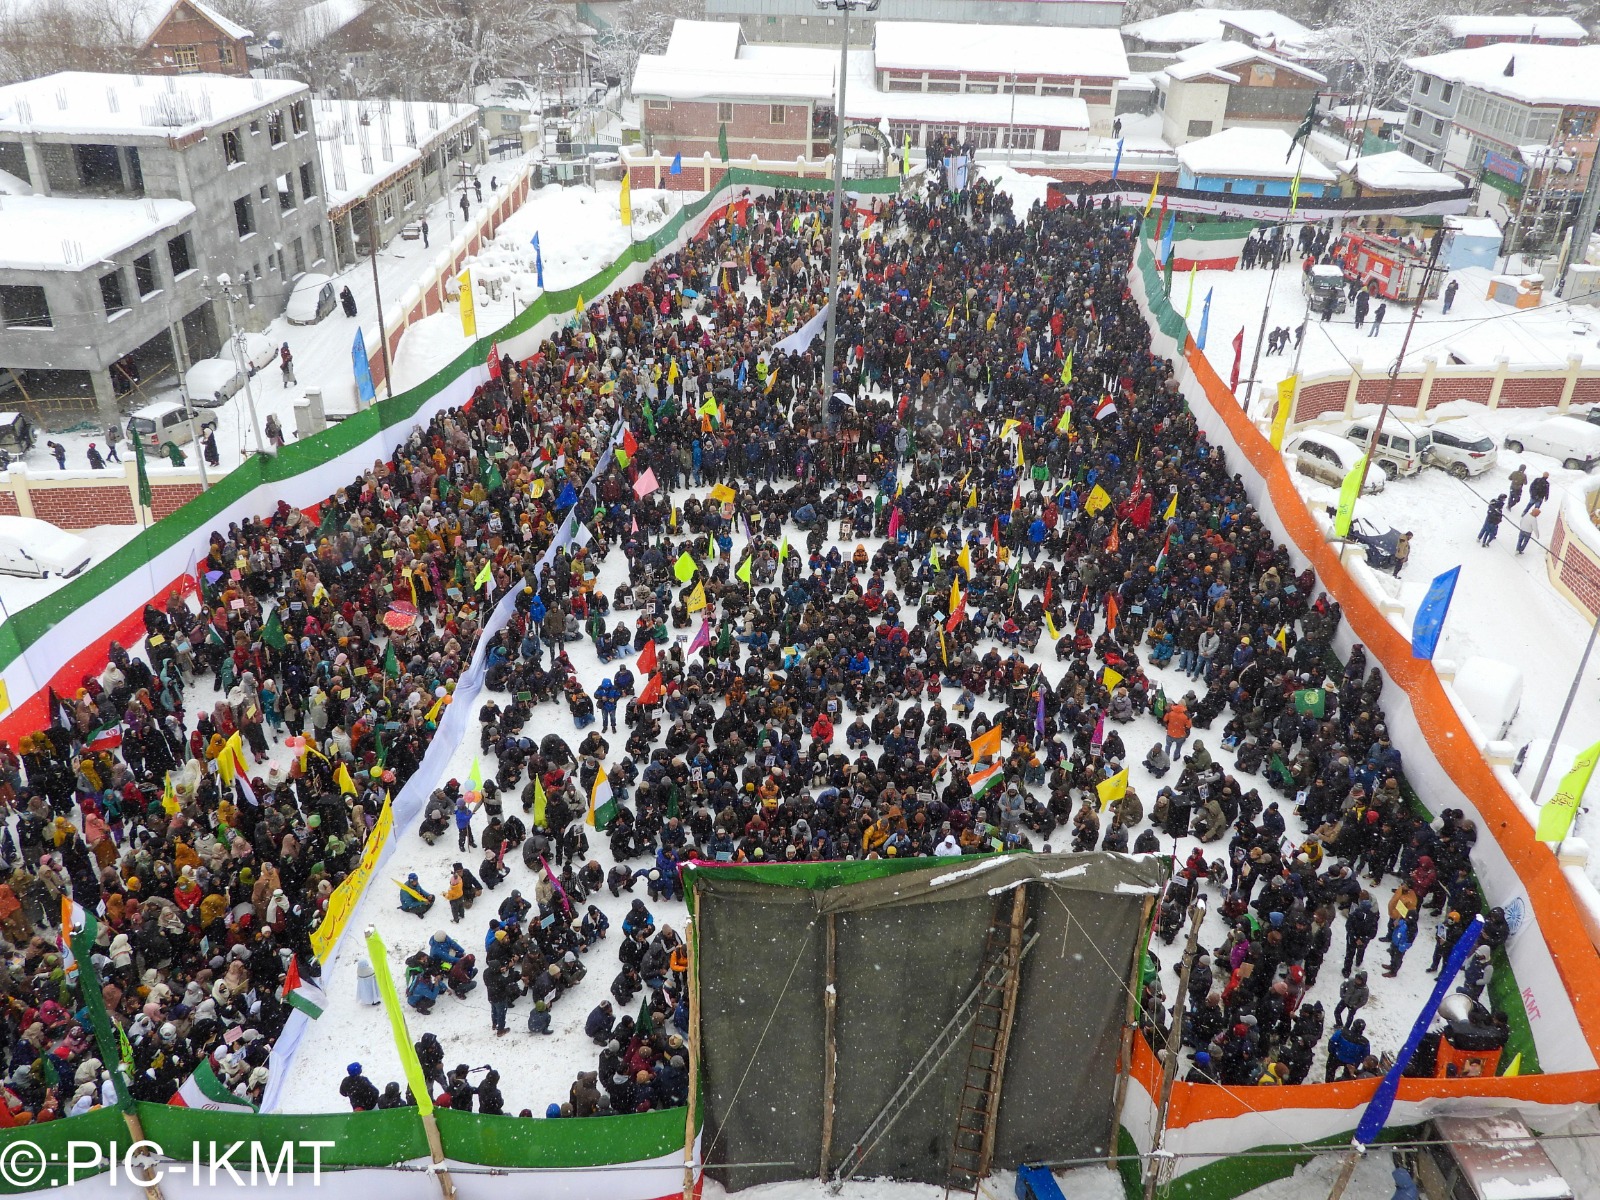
x=17, y=592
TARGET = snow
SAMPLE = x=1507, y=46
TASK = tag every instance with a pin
x=709, y=40
x=1397, y=171
x=17, y=593
x=329, y=16
x=1541, y=75
x=865, y=101
x=1197, y=25
x=1000, y=49
x=232, y=28
x=353, y=170
x=1220, y=55
x=779, y=72
x=163, y=105
x=60, y=233
x=1559, y=29
x=1255, y=153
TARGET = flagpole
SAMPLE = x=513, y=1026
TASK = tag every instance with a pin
x=1272, y=283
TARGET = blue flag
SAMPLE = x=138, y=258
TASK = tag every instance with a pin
x=677, y=165
x=1027, y=363
x=358, y=357
x=744, y=372
x=1116, y=165
x=1166, y=242
x=1429, y=625
x=1372, y=1121
x=1205, y=319
x=567, y=498
x=538, y=261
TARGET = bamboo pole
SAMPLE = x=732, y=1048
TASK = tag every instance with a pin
x=691, y=1116
x=152, y=1189
x=830, y=1052
x=1129, y=1023
x=1169, y=1068
x=1008, y=1010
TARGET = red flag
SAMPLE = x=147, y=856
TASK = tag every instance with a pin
x=1238, y=357
x=630, y=444
x=494, y=360
x=652, y=690
x=1112, y=542
x=1111, y=612
x=1049, y=587
x=996, y=529
x=1141, y=512
x=647, y=658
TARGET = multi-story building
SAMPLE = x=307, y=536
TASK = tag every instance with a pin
x=1157, y=41
x=170, y=179
x=1225, y=84
x=191, y=38
x=1470, y=32
x=800, y=21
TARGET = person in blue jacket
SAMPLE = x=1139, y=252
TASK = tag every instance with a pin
x=445, y=951
x=1346, y=1048
x=424, y=991
x=606, y=696
x=413, y=898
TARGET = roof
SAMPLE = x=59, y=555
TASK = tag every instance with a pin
x=1539, y=74
x=775, y=72
x=865, y=101
x=1561, y=29
x=1220, y=57
x=329, y=16
x=714, y=40
x=162, y=105
x=1253, y=153
x=69, y=233
x=1000, y=49
x=1397, y=171
x=232, y=28
x=345, y=174
x=1196, y=25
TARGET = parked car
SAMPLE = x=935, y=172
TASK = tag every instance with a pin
x=1322, y=281
x=1400, y=450
x=37, y=548
x=166, y=421
x=259, y=352
x=1328, y=458
x=312, y=299
x=18, y=433
x=1461, y=448
x=1491, y=1156
x=212, y=382
x=1573, y=443
x=1491, y=690
x=1592, y=416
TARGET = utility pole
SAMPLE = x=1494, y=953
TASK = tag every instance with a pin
x=225, y=282
x=181, y=360
x=377, y=294
x=1169, y=1063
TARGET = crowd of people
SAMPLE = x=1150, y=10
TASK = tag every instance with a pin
x=1060, y=563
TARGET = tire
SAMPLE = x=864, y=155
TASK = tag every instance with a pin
x=1575, y=464
x=1513, y=445
x=1389, y=470
x=1459, y=470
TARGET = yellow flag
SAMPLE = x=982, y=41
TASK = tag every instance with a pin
x=1098, y=499
x=1514, y=1068
x=1280, y=419
x=484, y=577
x=955, y=595
x=672, y=372
x=1348, y=491
x=578, y=307
x=469, y=319
x=1021, y=462
x=341, y=776
x=743, y=573
x=989, y=324
x=1066, y=369
x=964, y=559
x=683, y=568
x=231, y=761
x=627, y=201
x=1065, y=422
x=972, y=498
x=1151, y=202
x=1111, y=789
x=1005, y=430
x=1050, y=627
x=1172, y=508
x=1110, y=678
x=697, y=598
x=1556, y=813
x=722, y=493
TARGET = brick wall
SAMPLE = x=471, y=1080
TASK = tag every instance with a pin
x=8, y=505
x=83, y=507
x=1326, y=395
x=1530, y=393
x=1318, y=399
x=1373, y=391
x=1574, y=568
x=166, y=499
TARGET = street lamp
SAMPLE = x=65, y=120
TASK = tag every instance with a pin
x=225, y=282
x=844, y=9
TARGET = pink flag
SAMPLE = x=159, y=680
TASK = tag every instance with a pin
x=1099, y=730
x=701, y=639
x=636, y=525
x=894, y=521
x=645, y=484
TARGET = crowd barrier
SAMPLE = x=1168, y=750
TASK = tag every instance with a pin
x=1553, y=1004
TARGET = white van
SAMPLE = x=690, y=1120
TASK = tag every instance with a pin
x=1401, y=450
x=166, y=421
x=38, y=548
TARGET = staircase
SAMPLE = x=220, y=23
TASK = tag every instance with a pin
x=972, y=1146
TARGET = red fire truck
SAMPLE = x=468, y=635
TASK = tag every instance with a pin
x=1386, y=266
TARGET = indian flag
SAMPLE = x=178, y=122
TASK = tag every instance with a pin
x=307, y=997
x=602, y=808
x=983, y=780
x=204, y=1090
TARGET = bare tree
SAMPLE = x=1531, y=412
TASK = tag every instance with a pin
x=455, y=45
x=641, y=27
x=40, y=37
x=1366, y=46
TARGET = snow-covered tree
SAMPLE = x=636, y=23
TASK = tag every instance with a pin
x=449, y=47
x=1366, y=43
x=641, y=27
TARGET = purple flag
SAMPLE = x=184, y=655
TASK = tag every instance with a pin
x=703, y=638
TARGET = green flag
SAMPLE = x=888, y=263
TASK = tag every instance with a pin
x=1306, y=126
x=722, y=142
x=724, y=639
x=646, y=1024
x=145, y=495
x=391, y=664
x=1348, y=491
x=1310, y=702
x=1282, y=771
x=649, y=417
x=1555, y=815
x=272, y=632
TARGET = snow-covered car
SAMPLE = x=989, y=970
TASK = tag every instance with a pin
x=1573, y=443
x=312, y=299
x=1400, y=450
x=1322, y=283
x=1328, y=458
x=166, y=421
x=212, y=382
x=1461, y=448
x=259, y=352
x=1530, y=757
x=37, y=549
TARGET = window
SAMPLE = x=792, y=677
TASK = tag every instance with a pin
x=179, y=256
x=778, y=115
x=111, y=292
x=144, y=275
x=244, y=216
x=1424, y=85
x=1449, y=90
x=275, y=128
x=408, y=191
x=510, y=122
x=661, y=105
x=1438, y=127
x=899, y=131
x=316, y=244
x=23, y=306
x=285, y=192
x=386, y=205
x=905, y=85
x=308, y=180
x=944, y=85
x=1020, y=137
x=298, y=118
x=983, y=137
x=1199, y=129
x=232, y=147
x=187, y=58
x=255, y=128
x=724, y=111
x=227, y=54
x=299, y=256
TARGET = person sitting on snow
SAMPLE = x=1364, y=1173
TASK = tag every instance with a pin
x=413, y=898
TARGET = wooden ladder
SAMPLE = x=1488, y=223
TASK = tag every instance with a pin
x=972, y=1146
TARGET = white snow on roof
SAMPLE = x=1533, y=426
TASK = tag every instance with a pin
x=1563, y=29
x=1539, y=74
x=166, y=105
x=359, y=178
x=10, y=185
x=1252, y=153
x=1196, y=25
x=232, y=28
x=329, y=16
x=1223, y=56
x=778, y=72
x=1397, y=171
x=61, y=233
x=865, y=101
x=714, y=40
x=1000, y=49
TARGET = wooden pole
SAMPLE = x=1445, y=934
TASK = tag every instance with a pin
x=1169, y=1068
x=1352, y=1159
x=152, y=1189
x=830, y=1051
x=430, y=1126
x=1008, y=1014
x=691, y=1115
x=1129, y=1024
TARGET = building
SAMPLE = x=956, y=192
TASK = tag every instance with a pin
x=192, y=39
x=1252, y=162
x=1225, y=84
x=1154, y=43
x=193, y=176
x=776, y=103
x=801, y=22
x=509, y=116
x=1470, y=32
